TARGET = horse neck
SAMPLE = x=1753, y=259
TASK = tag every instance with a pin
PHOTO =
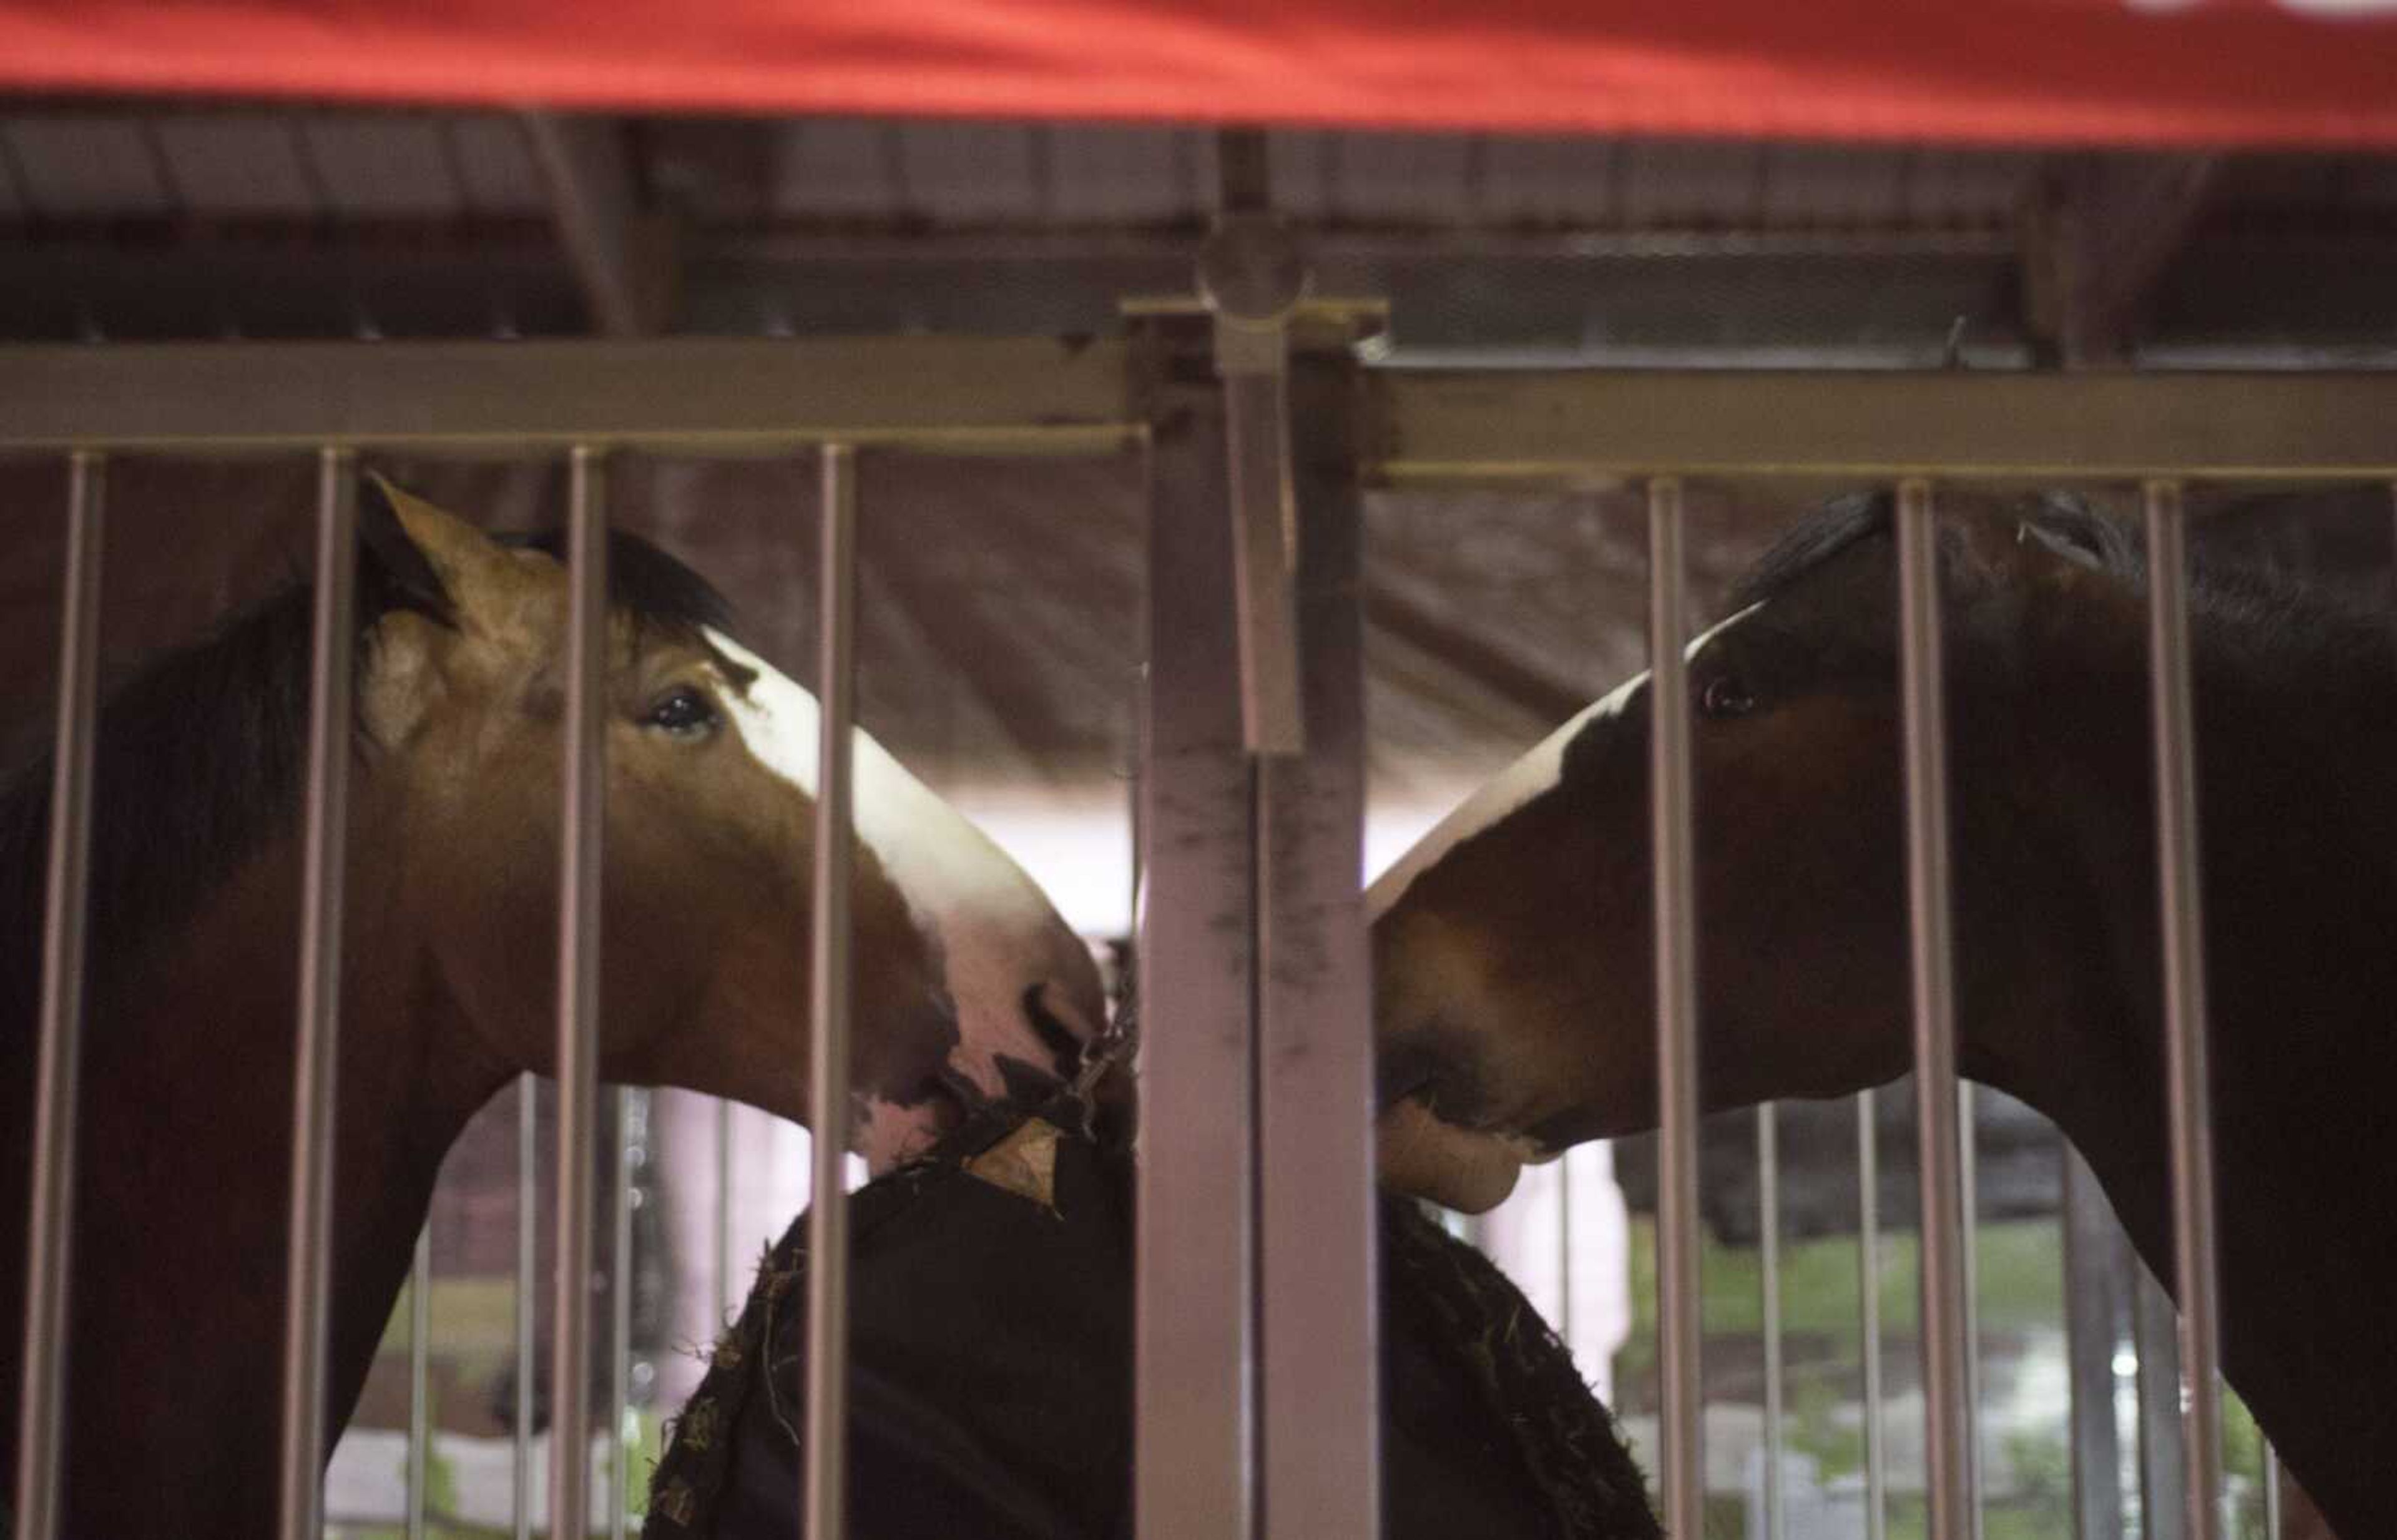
x=2298, y=858
x=184, y=1167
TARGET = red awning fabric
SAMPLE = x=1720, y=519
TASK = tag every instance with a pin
x=2294, y=72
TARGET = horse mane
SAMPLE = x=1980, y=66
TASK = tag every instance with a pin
x=201, y=753
x=2284, y=630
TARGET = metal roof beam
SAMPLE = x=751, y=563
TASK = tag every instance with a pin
x=621, y=247
x=2099, y=237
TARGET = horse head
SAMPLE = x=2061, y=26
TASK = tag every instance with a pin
x=1514, y=950
x=969, y=985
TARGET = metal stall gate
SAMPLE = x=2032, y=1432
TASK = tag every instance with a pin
x=1255, y=1389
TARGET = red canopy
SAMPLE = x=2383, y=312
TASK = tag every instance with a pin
x=2312, y=73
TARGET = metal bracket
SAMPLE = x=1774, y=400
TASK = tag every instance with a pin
x=1252, y=274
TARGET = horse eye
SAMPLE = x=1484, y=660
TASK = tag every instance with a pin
x=1726, y=696
x=683, y=711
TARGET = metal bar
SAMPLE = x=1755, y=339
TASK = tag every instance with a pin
x=2163, y=1465
x=1317, y=1226
x=1568, y=425
x=1947, y=1411
x=620, y=1315
x=1682, y=1427
x=582, y=812
x=690, y=395
x=2185, y=1013
x=420, y=1381
x=308, y=1271
x=724, y=1262
x=41, y=1417
x=1565, y=1322
x=528, y=1263
x=1264, y=539
x=1193, y=1323
x=2271, y=1494
x=827, y=1424
x=1868, y=1265
x=2094, y=1258
x=1968, y=1254
x=1768, y=1245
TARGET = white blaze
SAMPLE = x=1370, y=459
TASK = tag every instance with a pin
x=1535, y=774
x=996, y=930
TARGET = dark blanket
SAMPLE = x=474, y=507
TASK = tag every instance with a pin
x=991, y=1381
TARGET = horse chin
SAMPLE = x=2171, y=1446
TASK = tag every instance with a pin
x=1471, y=1171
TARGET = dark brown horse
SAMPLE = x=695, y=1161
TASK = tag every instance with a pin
x=1514, y=963
x=968, y=985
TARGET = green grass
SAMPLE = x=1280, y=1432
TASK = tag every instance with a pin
x=2019, y=1275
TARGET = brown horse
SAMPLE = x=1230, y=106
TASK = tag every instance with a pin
x=968, y=985
x=1513, y=952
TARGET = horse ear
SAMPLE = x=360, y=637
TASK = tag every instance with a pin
x=394, y=568
x=2060, y=541
x=438, y=563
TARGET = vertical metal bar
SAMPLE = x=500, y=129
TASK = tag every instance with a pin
x=1317, y=1231
x=2185, y=1016
x=1264, y=536
x=420, y=1377
x=308, y=1271
x=1681, y=1430
x=2163, y=1465
x=827, y=1425
x=1868, y=1265
x=528, y=1263
x=620, y=1319
x=41, y=1416
x=1768, y=1245
x=1968, y=1254
x=1948, y=1415
x=2092, y=1247
x=584, y=810
x=724, y=1266
x=2271, y=1494
x=1566, y=1250
x=1193, y=1323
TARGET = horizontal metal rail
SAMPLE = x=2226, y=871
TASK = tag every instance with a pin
x=1049, y=397
x=683, y=395
x=1568, y=425
x=1042, y=395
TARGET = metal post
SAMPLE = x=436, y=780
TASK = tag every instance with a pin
x=827, y=1425
x=1948, y=1413
x=1565, y=1322
x=2271, y=1494
x=620, y=1317
x=2184, y=1018
x=1193, y=1325
x=1316, y=1300
x=1251, y=274
x=308, y=1270
x=724, y=1266
x=2093, y=1259
x=41, y=1417
x=420, y=1381
x=1868, y=1265
x=1682, y=1430
x=528, y=1263
x=2163, y=1462
x=580, y=819
x=1768, y=1245
x=1968, y=1255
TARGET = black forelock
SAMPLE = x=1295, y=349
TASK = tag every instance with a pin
x=644, y=582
